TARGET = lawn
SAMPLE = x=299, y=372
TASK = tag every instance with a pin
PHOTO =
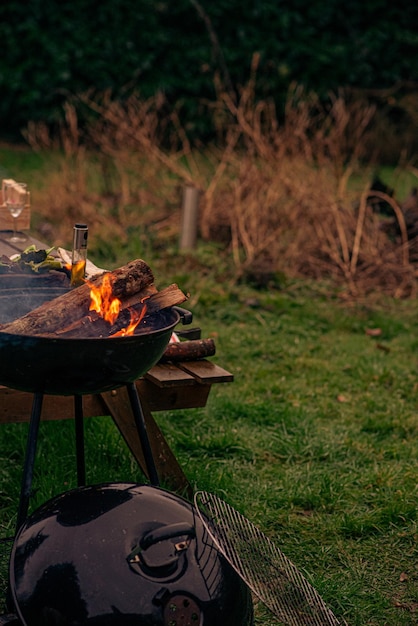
x=315, y=441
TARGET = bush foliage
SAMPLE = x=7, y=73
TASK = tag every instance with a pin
x=51, y=50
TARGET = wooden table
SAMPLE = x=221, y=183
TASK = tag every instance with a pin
x=165, y=387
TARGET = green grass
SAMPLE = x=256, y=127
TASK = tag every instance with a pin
x=316, y=441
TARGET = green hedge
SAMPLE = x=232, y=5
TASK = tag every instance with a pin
x=52, y=49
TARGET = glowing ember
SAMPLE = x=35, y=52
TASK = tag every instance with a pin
x=103, y=302
x=136, y=317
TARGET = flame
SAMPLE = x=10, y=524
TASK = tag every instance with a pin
x=136, y=317
x=108, y=307
x=103, y=302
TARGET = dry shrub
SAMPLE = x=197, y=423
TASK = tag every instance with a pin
x=289, y=202
x=289, y=220
x=65, y=196
x=100, y=175
x=279, y=194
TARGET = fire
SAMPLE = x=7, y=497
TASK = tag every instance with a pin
x=108, y=307
x=103, y=301
x=136, y=317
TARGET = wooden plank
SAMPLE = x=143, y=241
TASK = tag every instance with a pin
x=8, y=248
x=174, y=396
x=16, y=406
x=207, y=372
x=169, y=375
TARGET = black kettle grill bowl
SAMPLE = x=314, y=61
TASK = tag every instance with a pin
x=68, y=366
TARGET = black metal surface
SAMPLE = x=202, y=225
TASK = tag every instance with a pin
x=63, y=366
x=79, y=440
x=122, y=554
x=31, y=444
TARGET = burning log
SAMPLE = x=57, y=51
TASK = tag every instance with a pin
x=189, y=350
x=133, y=310
x=129, y=283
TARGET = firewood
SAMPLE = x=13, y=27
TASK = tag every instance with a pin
x=188, y=350
x=146, y=302
x=168, y=297
x=92, y=324
x=74, y=305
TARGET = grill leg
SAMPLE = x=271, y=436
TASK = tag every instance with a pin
x=79, y=440
x=143, y=435
x=29, y=459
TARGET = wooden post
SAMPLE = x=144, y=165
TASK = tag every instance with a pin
x=189, y=218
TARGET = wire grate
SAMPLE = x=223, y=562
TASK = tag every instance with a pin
x=264, y=568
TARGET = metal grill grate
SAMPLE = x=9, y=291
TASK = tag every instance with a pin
x=264, y=568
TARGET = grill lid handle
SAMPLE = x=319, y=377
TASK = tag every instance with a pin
x=156, y=555
x=170, y=531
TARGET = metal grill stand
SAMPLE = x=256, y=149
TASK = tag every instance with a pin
x=32, y=441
